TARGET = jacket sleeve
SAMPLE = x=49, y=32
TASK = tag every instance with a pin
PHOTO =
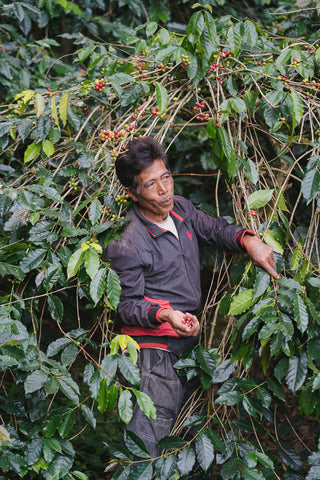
x=216, y=230
x=133, y=309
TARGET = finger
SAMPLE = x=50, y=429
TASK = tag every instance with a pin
x=272, y=272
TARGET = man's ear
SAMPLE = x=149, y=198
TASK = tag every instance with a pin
x=131, y=195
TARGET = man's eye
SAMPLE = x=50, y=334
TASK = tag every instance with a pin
x=149, y=186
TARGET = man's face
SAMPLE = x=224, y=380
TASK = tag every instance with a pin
x=155, y=191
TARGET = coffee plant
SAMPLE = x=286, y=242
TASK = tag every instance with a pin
x=237, y=106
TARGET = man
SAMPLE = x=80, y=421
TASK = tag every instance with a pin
x=157, y=260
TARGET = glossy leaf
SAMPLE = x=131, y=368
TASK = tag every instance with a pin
x=129, y=370
x=144, y=471
x=297, y=108
x=162, y=97
x=135, y=445
x=32, y=152
x=204, y=450
x=92, y=262
x=185, y=460
x=260, y=198
x=310, y=185
x=300, y=313
x=75, y=262
x=32, y=260
x=241, y=302
x=224, y=371
x=97, y=285
x=35, y=381
x=145, y=403
x=297, y=372
x=125, y=406
x=55, y=307
x=113, y=288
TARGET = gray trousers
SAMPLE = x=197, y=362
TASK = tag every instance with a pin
x=168, y=392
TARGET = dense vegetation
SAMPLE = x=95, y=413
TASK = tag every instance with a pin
x=233, y=92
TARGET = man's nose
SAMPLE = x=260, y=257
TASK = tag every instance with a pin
x=162, y=187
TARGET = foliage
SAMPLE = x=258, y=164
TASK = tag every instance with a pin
x=237, y=102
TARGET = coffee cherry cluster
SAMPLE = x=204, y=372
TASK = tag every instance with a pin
x=121, y=199
x=99, y=84
x=85, y=109
x=188, y=322
x=73, y=184
x=203, y=117
x=109, y=135
x=185, y=60
x=198, y=105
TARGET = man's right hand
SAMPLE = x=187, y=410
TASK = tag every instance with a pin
x=177, y=320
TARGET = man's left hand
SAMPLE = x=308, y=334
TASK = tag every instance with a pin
x=260, y=253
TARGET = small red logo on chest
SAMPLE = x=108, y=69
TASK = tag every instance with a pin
x=189, y=234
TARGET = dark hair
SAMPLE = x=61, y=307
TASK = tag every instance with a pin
x=141, y=153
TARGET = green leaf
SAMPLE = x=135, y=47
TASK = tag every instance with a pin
x=63, y=108
x=290, y=457
x=204, y=450
x=54, y=111
x=109, y=366
x=32, y=152
x=69, y=388
x=250, y=474
x=206, y=361
x=55, y=307
x=113, y=288
x=234, y=40
x=67, y=423
x=195, y=27
x=129, y=370
x=95, y=211
x=283, y=61
x=250, y=33
x=32, y=260
x=35, y=381
x=296, y=258
x=125, y=406
x=261, y=283
x=171, y=442
x=186, y=460
x=228, y=151
x=80, y=475
x=145, y=403
x=224, y=371
x=89, y=416
x=254, y=457
x=238, y=105
x=241, y=302
x=103, y=396
x=75, y=262
x=47, y=147
x=260, y=198
x=135, y=445
x=297, y=108
x=39, y=104
x=144, y=471
x=97, y=285
x=92, y=262
x=270, y=240
x=297, y=372
x=34, y=450
x=164, y=467
x=300, y=313
x=162, y=97
x=310, y=185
